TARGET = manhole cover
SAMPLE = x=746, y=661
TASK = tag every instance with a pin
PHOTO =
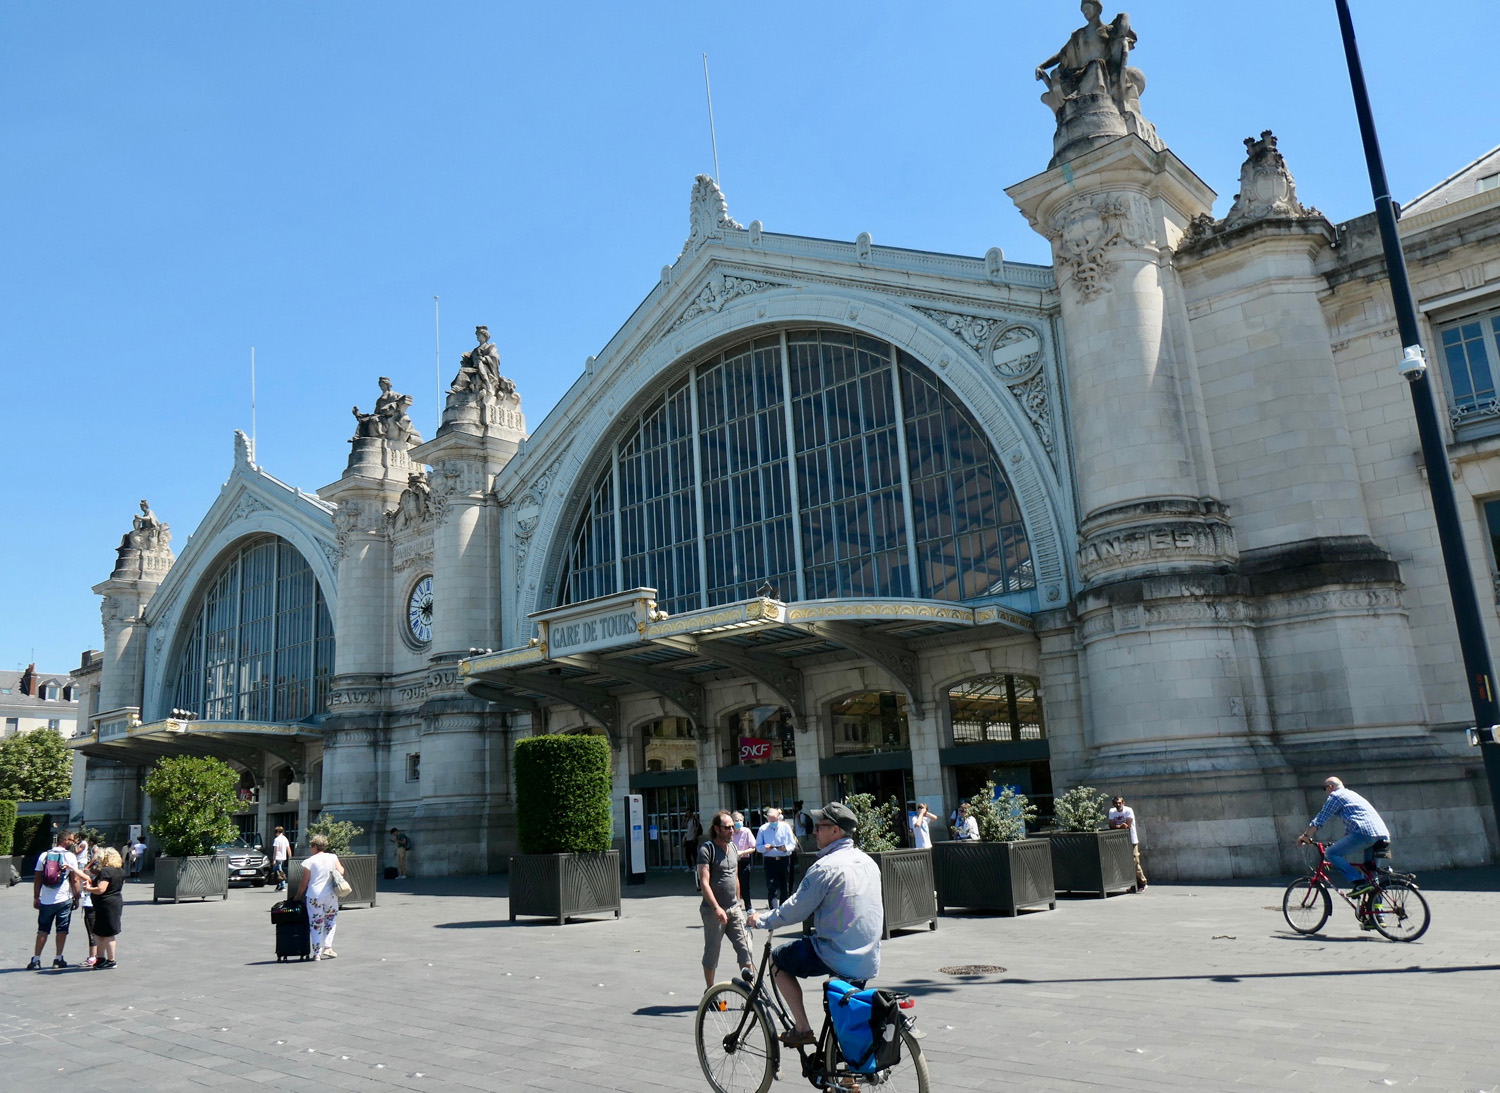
x=972, y=969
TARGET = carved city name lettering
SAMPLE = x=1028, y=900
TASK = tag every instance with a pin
x=565, y=637
x=1141, y=544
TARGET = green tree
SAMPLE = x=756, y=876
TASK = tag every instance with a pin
x=875, y=824
x=340, y=833
x=192, y=801
x=36, y=766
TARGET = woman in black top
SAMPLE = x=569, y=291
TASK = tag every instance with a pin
x=107, y=886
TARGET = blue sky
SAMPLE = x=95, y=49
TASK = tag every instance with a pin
x=182, y=181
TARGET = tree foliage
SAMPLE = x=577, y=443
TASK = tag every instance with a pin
x=36, y=766
x=192, y=801
x=7, y=827
x=876, y=823
x=1001, y=819
x=1080, y=809
x=563, y=785
x=340, y=833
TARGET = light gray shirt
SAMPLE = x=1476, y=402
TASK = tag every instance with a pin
x=841, y=892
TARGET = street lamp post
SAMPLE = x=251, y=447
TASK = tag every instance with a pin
x=1413, y=367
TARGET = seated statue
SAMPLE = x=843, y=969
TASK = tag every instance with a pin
x=389, y=419
x=1093, y=91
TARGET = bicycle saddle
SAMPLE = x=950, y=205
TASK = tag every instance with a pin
x=1381, y=849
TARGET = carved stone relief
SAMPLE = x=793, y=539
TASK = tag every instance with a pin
x=1085, y=229
x=1170, y=542
x=708, y=215
x=720, y=289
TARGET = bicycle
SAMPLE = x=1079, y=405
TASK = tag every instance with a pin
x=740, y=1052
x=1393, y=904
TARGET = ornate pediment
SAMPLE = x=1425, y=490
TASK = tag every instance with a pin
x=1015, y=351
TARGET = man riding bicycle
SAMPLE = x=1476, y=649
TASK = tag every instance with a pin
x=1363, y=828
x=841, y=893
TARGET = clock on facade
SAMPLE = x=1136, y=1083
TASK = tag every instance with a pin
x=419, y=611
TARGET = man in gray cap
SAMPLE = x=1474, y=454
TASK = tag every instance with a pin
x=841, y=893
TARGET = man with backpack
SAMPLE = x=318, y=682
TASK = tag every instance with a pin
x=54, y=894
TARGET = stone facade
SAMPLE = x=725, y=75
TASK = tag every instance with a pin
x=1233, y=585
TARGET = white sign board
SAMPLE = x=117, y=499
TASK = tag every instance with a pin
x=635, y=825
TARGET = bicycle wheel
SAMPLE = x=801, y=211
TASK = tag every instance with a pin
x=1400, y=911
x=734, y=1059
x=907, y=1076
x=1306, y=905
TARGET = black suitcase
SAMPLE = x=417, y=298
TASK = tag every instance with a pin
x=293, y=938
x=390, y=872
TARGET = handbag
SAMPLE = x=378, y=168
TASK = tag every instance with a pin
x=341, y=886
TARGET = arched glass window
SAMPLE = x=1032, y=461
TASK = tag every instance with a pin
x=996, y=709
x=826, y=463
x=260, y=647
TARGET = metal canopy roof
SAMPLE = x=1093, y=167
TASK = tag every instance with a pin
x=585, y=651
x=237, y=740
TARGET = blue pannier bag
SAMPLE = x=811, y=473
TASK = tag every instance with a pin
x=867, y=1024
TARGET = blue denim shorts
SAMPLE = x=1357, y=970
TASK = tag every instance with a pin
x=799, y=958
x=60, y=913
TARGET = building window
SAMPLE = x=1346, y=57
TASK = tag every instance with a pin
x=1492, y=523
x=413, y=766
x=760, y=734
x=1488, y=182
x=870, y=722
x=260, y=647
x=996, y=709
x=49, y=692
x=54, y=724
x=669, y=744
x=12, y=725
x=801, y=451
x=70, y=693
x=1469, y=349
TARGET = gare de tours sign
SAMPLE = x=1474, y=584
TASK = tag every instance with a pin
x=604, y=623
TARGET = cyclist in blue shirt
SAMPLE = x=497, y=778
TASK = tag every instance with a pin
x=1363, y=828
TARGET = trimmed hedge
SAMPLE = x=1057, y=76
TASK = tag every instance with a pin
x=563, y=785
x=7, y=827
x=32, y=837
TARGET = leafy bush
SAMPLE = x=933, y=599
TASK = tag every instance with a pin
x=33, y=837
x=1002, y=819
x=193, y=801
x=7, y=827
x=1080, y=809
x=36, y=766
x=341, y=833
x=563, y=785
x=876, y=830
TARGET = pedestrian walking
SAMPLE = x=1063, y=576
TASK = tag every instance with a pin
x=1122, y=815
x=921, y=827
x=744, y=845
x=775, y=843
x=106, y=886
x=718, y=873
x=88, y=864
x=691, y=833
x=138, y=858
x=320, y=875
x=802, y=827
x=403, y=847
x=281, y=853
x=54, y=894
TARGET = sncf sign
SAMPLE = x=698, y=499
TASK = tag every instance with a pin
x=753, y=747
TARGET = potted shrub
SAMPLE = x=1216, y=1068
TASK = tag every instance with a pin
x=1086, y=858
x=7, y=840
x=1003, y=870
x=359, y=869
x=565, y=867
x=906, y=888
x=192, y=800
x=32, y=836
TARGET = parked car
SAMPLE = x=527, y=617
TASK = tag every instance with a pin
x=248, y=862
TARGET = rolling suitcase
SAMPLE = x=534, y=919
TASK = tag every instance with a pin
x=293, y=939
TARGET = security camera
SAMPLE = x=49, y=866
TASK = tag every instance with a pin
x=1485, y=735
x=1413, y=364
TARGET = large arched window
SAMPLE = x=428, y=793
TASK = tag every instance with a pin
x=260, y=646
x=826, y=463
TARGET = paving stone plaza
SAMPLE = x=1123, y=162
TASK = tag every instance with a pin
x=1180, y=987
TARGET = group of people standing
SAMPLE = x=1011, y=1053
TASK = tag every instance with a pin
x=74, y=875
x=776, y=842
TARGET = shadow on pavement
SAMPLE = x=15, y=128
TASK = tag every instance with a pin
x=665, y=1011
x=1235, y=978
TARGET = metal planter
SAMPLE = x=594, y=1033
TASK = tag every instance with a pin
x=560, y=886
x=907, y=890
x=993, y=876
x=202, y=876
x=1095, y=862
x=359, y=870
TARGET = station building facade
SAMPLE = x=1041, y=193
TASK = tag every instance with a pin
x=828, y=517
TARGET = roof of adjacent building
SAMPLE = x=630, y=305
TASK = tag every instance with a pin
x=1465, y=182
x=11, y=696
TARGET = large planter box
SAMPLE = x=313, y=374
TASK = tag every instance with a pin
x=907, y=889
x=199, y=877
x=1096, y=862
x=560, y=886
x=993, y=876
x=359, y=870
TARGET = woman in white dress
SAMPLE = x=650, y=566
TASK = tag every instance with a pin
x=317, y=888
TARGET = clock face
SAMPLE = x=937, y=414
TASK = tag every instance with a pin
x=419, y=611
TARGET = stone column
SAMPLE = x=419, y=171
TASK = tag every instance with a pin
x=141, y=563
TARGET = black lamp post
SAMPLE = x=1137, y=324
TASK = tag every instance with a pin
x=1471, y=639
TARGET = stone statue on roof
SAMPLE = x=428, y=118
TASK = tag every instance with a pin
x=481, y=400
x=388, y=420
x=145, y=551
x=1092, y=89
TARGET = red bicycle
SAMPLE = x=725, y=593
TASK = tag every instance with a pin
x=1392, y=904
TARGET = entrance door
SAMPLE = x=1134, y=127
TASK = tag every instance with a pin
x=667, y=810
x=882, y=784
